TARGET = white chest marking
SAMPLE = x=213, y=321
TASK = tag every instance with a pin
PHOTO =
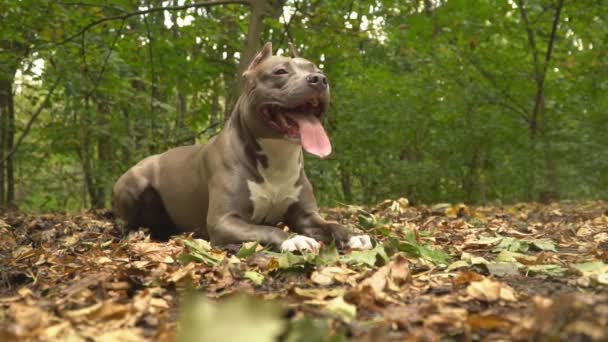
x=272, y=197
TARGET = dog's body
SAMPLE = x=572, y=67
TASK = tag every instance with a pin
x=249, y=177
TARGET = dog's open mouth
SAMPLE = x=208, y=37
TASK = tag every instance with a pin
x=282, y=118
x=301, y=123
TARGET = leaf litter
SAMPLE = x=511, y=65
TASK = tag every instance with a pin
x=449, y=271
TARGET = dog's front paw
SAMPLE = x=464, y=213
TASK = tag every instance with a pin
x=359, y=242
x=300, y=243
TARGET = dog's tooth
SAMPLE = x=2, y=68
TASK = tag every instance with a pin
x=282, y=121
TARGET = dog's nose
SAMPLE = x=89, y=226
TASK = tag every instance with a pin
x=317, y=80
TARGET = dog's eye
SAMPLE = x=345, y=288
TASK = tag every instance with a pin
x=280, y=72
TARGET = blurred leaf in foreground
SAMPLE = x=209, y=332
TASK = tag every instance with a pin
x=237, y=318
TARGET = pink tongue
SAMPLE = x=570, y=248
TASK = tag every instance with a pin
x=312, y=135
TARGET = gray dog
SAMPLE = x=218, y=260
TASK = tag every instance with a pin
x=250, y=176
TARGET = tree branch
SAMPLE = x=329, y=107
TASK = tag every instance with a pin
x=287, y=24
x=30, y=122
x=558, y=12
x=541, y=74
x=152, y=71
x=489, y=77
x=152, y=10
x=531, y=39
x=194, y=136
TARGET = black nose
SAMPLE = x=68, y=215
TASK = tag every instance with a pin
x=317, y=80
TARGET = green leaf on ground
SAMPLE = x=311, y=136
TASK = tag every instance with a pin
x=345, y=310
x=309, y=330
x=255, y=277
x=501, y=269
x=544, y=244
x=522, y=246
x=246, y=252
x=199, y=251
x=592, y=268
x=549, y=269
x=366, y=257
x=413, y=248
x=507, y=256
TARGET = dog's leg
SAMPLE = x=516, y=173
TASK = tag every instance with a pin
x=311, y=224
x=140, y=205
x=303, y=218
x=231, y=229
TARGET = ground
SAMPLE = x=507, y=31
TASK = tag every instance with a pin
x=442, y=272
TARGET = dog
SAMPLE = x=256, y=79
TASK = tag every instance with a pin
x=249, y=177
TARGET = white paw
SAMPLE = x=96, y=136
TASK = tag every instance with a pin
x=300, y=243
x=360, y=242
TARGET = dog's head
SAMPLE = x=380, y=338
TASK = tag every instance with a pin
x=286, y=99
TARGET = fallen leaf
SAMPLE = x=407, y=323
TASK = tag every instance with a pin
x=490, y=291
x=319, y=293
x=239, y=318
x=247, y=249
x=338, y=306
x=365, y=257
x=487, y=322
x=255, y=277
x=465, y=278
x=501, y=269
x=331, y=274
x=457, y=264
x=550, y=269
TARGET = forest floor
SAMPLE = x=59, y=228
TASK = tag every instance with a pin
x=517, y=272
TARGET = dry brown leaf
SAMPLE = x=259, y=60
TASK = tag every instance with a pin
x=123, y=335
x=331, y=274
x=83, y=313
x=103, y=260
x=488, y=322
x=29, y=320
x=54, y=332
x=182, y=272
x=319, y=293
x=154, y=251
x=84, y=283
x=451, y=319
x=488, y=290
x=392, y=275
x=465, y=278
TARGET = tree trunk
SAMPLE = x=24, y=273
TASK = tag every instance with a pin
x=105, y=158
x=214, y=115
x=84, y=153
x=4, y=94
x=259, y=10
x=346, y=183
x=7, y=135
x=126, y=150
x=10, y=141
x=537, y=119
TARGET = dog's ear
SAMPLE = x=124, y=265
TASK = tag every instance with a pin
x=262, y=55
x=294, y=51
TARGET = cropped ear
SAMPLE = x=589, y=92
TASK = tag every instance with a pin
x=261, y=56
x=294, y=52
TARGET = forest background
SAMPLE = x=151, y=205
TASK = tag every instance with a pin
x=435, y=100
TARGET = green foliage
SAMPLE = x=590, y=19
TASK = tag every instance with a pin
x=366, y=257
x=413, y=248
x=431, y=100
x=199, y=251
x=246, y=252
x=514, y=245
x=311, y=330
